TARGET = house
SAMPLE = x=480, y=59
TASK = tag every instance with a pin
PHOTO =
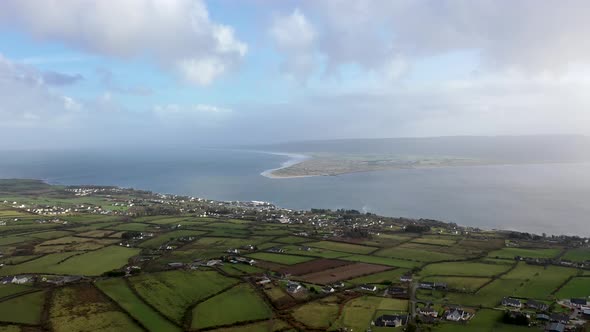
x=19, y=280
x=391, y=320
x=543, y=317
x=175, y=265
x=536, y=305
x=213, y=262
x=578, y=303
x=586, y=314
x=339, y=284
x=406, y=278
x=428, y=311
x=328, y=289
x=293, y=287
x=560, y=318
x=457, y=315
x=397, y=291
x=276, y=250
x=510, y=302
x=264, y=280
x=555, y=327
x=305, y=248
x=233, y=251
x=368, y=288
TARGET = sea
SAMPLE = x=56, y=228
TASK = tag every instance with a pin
x=537, y=198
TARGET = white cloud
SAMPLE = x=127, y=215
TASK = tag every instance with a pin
x=295, y=37
x=531, y=36
x=179, y=35
x=26, y=100
x=175, y=109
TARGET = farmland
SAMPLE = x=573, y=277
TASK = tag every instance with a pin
x=235, y=305
x=227, y=267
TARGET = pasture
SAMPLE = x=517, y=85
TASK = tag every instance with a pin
x=241, y=303
x=279, y=258
x=173, y=292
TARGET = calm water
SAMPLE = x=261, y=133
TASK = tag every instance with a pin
x=551, y=198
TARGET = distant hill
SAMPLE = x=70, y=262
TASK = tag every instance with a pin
x=523, y=149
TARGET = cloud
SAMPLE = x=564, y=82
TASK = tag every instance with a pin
x=60, y=79
x=27, y=99
x=178, y=35
x=295, y=37
x=531, y=36
x=190, y=109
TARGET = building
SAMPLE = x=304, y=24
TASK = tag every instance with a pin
x=510, y=302
x=560, y=318
x=457, y=315
x=555, y=327
x=428, y=311
x=397, y=291
x=578, y=303
x=328, y=289
x=391, y=320
x=406, y=278
x=294, y=287
x=368, y=288
x=536, y=305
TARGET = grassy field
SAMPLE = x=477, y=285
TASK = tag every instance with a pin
x=25, y=309
x=235, y=305
x=96, y=262
x=381, y=277
x=291, y=239
x=466, y=284
x=382, y=261
x=320, y=314
x=417, y=254
x=537, y=281
x=172, y=293
x=473, y=269
x=341, y=246
x=358, y=313
x=279, y=258
x=161, y=239
x=577, y=255
x=440, y=241
x=266, y=326
x=50, y=234
x=90, y=263
x=575, y=288
x=117, y=290
x=511, y=253
x=11, y=289
x=137, y=227
x=84, y=308
x=313, y=252
x=484, y=321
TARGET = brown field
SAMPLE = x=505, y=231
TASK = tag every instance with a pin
x=316, y=265
x=343, y=273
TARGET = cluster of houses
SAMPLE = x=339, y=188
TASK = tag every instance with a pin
x=428, y=314
x=17, y=280
x=555, y=322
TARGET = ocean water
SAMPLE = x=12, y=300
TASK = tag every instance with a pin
x=549, y=198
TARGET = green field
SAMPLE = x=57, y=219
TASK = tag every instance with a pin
x=238, y=304
x=382, y=261
x=11, y=289
x=172, y=293
x=464, y=269
x=117, y=290
x=511, y=253
x=344, y=247
x=417, y=254
x=161, y=239
x=320, y=314
x=440, y=241
x=484, y=321
x=380, y=277
x=577, y=255
x=279, y=258
x=358, y=313
x=136, y=227
x=465, y=284
x=575, y=288
x=25, y=309
x=84, y=308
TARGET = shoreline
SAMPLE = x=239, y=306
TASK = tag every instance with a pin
x=294, y=158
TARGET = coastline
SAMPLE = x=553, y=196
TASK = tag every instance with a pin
x=294, y=158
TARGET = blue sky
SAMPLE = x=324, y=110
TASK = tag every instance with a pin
x=226, y=72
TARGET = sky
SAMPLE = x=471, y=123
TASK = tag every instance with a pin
x=130, y=73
